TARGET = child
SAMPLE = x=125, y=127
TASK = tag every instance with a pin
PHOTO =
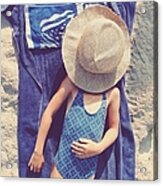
x=96, y=50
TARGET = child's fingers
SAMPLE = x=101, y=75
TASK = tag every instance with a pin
x=77, y=153
x=30, y=162
x=84, y=140
x=31, y=167
x=38, y=170
x=35, y=169
x=77, y=149
x=35, y=166
x=78, y=145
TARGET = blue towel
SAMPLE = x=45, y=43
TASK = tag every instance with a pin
x=40, y=73
x=45, y=24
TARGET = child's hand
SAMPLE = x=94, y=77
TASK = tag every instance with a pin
x=36, y=161
x=85, y=148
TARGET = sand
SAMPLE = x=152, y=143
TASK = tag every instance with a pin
x=139, y=90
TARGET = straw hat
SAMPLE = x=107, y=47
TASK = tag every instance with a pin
x=96, y=49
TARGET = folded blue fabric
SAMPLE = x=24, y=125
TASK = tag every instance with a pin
x=45, y=24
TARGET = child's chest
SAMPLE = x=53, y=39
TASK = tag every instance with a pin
x=89, y=103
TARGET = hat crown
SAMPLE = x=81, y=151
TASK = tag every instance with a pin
x=101, y=46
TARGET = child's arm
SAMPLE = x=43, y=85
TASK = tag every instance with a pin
x=46, y=120
x=53, y=106
x=85, y=147
x=113, y=121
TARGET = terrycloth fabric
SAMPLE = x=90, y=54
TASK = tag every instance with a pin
x=45, y=24
x=78, y=123
x=40, y=73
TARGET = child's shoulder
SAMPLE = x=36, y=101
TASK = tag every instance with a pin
x=68, y=83
x=113, y=91
x=113, y=94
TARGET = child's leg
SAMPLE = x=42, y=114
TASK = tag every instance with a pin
x=92, y=177
x=55, y=173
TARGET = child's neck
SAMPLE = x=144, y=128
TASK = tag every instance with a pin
x=92, y=102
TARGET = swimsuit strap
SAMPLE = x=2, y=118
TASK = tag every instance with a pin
x=78, y=100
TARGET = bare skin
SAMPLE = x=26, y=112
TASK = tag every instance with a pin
x=85, y=147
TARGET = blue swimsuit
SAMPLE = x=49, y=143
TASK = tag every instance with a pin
x=79, y=123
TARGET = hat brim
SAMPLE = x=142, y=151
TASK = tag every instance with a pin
x=83, y=79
